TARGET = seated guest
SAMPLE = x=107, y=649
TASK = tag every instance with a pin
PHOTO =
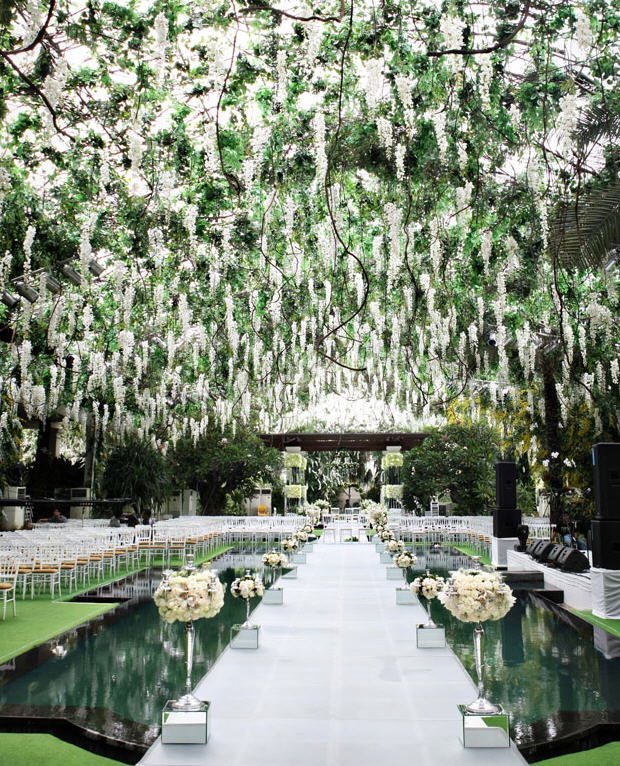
x=115, y=521
x=146, y=518
x=131, y=519
x=57, y=517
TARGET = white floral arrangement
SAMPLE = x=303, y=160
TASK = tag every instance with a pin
x=248, y=586
x=313, y=513
x=295, y=460
x=188, y=596
x=308, y=529
x=405, y=560
x=290, y=544
x=378, y=517
x=275, y=560
x=385, y=535
x=428, y=586
x=392, y=460
x=392, y=491
x=322, y=505
x=395, y=546
x=473, y=595
x=301, y=536
x=294, y=491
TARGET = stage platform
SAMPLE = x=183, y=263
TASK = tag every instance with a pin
x=577, y=587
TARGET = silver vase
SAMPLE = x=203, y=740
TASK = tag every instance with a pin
x=481, y=705
x=430, y=623
x=188, y=701
x=247, y=623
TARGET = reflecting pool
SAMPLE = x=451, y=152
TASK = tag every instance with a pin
x=543, y=666
x=115, y=675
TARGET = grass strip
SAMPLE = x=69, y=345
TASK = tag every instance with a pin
x=606, y=755
x=46, y=750
x=38, y=621
x=611, y=626
x=469, y=550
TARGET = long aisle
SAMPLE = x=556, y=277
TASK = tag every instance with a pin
x=337, y=680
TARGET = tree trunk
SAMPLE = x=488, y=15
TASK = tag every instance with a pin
x=552, y=438
x=90, y=451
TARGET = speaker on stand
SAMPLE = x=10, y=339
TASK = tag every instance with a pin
x=606, y=523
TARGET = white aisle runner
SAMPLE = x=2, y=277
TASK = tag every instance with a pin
x=337, y=681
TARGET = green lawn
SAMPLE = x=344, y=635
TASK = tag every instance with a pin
x=41, y=619
x=46, y=750
x=611, y=626
x=607, y=755
x=469, y=550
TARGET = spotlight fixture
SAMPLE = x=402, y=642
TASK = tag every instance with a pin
x=27, y=292
x=492, y=338
x=71, y=274
x=9, y=299
x=96, y=268
x=52, y=284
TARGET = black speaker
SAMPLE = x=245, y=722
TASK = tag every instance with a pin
x=606, y=543
x=506, y=522
x=506, y=484
x=531, y=545
x=606, y=479
x=571, y=560
x=554, y=554
x=542, y=550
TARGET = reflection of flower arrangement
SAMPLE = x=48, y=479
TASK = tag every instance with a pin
x=473, y=595
x=405, y=560
x=395, y=546
x=392, y=460
x=275, y=560
x=248, y=586
x=392, y=491
x=294, y=491
x=290, y=544
x=295, y=460
x=187, y=596
x=428, y=586
x=385, y=535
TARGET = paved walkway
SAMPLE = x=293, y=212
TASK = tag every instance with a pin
x=337, y=681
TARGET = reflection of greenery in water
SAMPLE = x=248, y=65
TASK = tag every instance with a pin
x=539, y=668
x=131, y=667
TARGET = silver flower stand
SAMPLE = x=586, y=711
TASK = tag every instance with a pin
x=430, y=637
x=404, y=596
x=244, y=636
x=185, y=727
x=394, y=573
x=290, y=574
x=298, y=558
x=485, y=730
x=273, y=596
x=385, y=557
x=379, y=547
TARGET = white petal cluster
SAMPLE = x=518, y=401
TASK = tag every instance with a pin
x=188, y=597
x=248, y=586
x=405, y=560
x=428, y=586
x=275, y=560
x=290, y=544
x=473, y=595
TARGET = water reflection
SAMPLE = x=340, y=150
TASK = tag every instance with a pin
x=123, y=672
x=547, y=673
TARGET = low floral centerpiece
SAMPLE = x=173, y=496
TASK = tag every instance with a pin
x=186, y=596
x=274, y=561
x=474, y=595
x=247, y=587
x=429, y=586
x=395, y=546
x=386, y=535
x=289, y=545
x=404, y=560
